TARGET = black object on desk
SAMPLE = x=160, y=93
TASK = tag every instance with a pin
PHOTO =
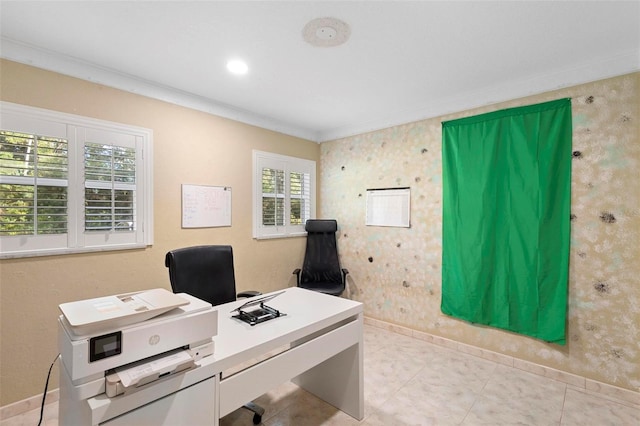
x=255, y=311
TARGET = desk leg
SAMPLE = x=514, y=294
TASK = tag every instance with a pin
x=340, y=379
x=216, y=401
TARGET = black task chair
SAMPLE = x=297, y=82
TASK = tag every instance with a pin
x=207, y=273
x=321, y=268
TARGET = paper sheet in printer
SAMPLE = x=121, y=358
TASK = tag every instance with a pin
x=141, y=373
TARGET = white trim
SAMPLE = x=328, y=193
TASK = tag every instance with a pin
x=588, y=71
x=30, y=180
x=63, y=118
x=52, y=61
x=89, y=249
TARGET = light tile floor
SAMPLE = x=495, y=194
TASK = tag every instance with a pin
x=412, y=382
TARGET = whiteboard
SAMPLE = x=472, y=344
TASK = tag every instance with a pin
x=389, y=207
x=206, y=206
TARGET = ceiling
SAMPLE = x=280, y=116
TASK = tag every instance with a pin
x=404, y=60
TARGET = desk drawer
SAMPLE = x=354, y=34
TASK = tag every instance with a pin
x=249, y=384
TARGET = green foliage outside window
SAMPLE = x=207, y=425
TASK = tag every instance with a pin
x=33, y=193
x=297, y=193
x=108, y=207
x=273, y=197
x=33, y=185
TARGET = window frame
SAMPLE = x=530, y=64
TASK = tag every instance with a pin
x=289, y=165
x=77, y=130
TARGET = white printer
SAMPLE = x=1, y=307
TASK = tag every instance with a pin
x=135, y=359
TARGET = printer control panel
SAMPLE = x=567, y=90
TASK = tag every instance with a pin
x=101, y=347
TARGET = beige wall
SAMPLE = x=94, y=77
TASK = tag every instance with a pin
x=402, y=282
x=396, y=272
x=189, y=147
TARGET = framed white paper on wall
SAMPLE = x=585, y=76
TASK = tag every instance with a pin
x=389, y=207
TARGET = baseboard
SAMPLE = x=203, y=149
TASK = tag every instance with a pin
x=577, y=382
x=28, y=404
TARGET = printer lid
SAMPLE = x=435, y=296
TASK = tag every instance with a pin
x=86, y=316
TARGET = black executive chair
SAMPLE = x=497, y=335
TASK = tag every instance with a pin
x=207, y=273
x=321, y=268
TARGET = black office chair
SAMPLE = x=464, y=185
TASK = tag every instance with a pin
x=321, y=268
x=207, y=273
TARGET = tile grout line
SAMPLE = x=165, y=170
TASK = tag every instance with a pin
x=564, y=401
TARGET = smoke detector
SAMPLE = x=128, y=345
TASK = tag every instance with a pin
x=326, y=32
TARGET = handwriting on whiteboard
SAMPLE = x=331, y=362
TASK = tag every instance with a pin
x=206, y=206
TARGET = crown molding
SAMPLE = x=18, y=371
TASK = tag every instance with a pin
x=74, y=67
x=586, y=72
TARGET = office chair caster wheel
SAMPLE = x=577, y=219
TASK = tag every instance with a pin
x=257, y=419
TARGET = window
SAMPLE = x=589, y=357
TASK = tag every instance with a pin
x=71, y=184
x=284, y=195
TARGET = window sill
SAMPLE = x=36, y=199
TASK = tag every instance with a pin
x=67, y=251
x=271, y=237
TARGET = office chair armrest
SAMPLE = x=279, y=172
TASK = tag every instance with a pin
x=249, y=293
x=297, y=273
x=345, y=272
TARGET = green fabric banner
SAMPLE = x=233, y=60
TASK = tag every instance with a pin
x=506, y=213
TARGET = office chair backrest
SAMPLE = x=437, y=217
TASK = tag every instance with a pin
x=205, y=272
x=321, y=262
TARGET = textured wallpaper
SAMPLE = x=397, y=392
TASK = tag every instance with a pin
x=396, y=272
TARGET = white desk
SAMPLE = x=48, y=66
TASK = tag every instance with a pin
x=325, y=357
x=323, y=337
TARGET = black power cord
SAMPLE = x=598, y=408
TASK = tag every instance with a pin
x=46, y=385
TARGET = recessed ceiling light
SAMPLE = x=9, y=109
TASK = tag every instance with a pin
x=237, y=66
x=326, y=32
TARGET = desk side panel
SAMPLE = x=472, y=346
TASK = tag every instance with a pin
x=339, y=380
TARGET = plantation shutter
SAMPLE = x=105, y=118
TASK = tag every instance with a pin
x=110, y=185
x=283, y=195
x=300, y=197
x=273, y=197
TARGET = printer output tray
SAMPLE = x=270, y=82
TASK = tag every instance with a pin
x=134, y=375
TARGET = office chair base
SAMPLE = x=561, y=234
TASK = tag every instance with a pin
x=257, y=410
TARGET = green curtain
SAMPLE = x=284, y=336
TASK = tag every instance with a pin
x=506, y=212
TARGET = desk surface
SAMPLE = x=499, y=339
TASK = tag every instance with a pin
x=306, y=313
